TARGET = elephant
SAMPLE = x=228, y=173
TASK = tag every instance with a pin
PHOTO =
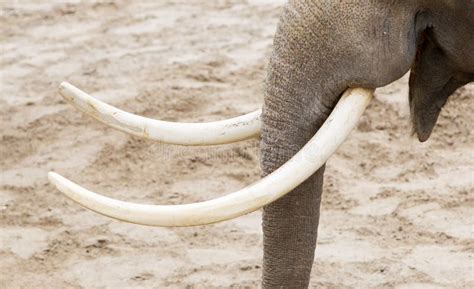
x=328, y=57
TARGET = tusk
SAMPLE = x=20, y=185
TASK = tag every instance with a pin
x=208, y=133
x=300, y=167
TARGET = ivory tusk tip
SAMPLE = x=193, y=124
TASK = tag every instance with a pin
x=64, y=85
x=63, y=88
x=55, y=178
x=52, y=177
x=69, y=92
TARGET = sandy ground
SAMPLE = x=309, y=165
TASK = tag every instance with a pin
x=395, y=213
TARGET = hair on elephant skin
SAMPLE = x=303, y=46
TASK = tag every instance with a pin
x=322, y=48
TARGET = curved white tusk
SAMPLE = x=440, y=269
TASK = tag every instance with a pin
x=207, y=133
x=301, y=166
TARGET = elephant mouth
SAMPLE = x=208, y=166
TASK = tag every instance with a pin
x=295, y=171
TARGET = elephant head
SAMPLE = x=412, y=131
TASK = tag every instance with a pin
x=328, y=57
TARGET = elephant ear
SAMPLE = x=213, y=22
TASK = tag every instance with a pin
x=432, y=80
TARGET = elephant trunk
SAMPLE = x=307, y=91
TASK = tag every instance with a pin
x=321, y=48
x=293, y=112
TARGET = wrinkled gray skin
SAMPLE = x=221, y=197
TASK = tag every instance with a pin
x=320, y=49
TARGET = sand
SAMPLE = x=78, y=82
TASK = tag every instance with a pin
x=395, y=213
